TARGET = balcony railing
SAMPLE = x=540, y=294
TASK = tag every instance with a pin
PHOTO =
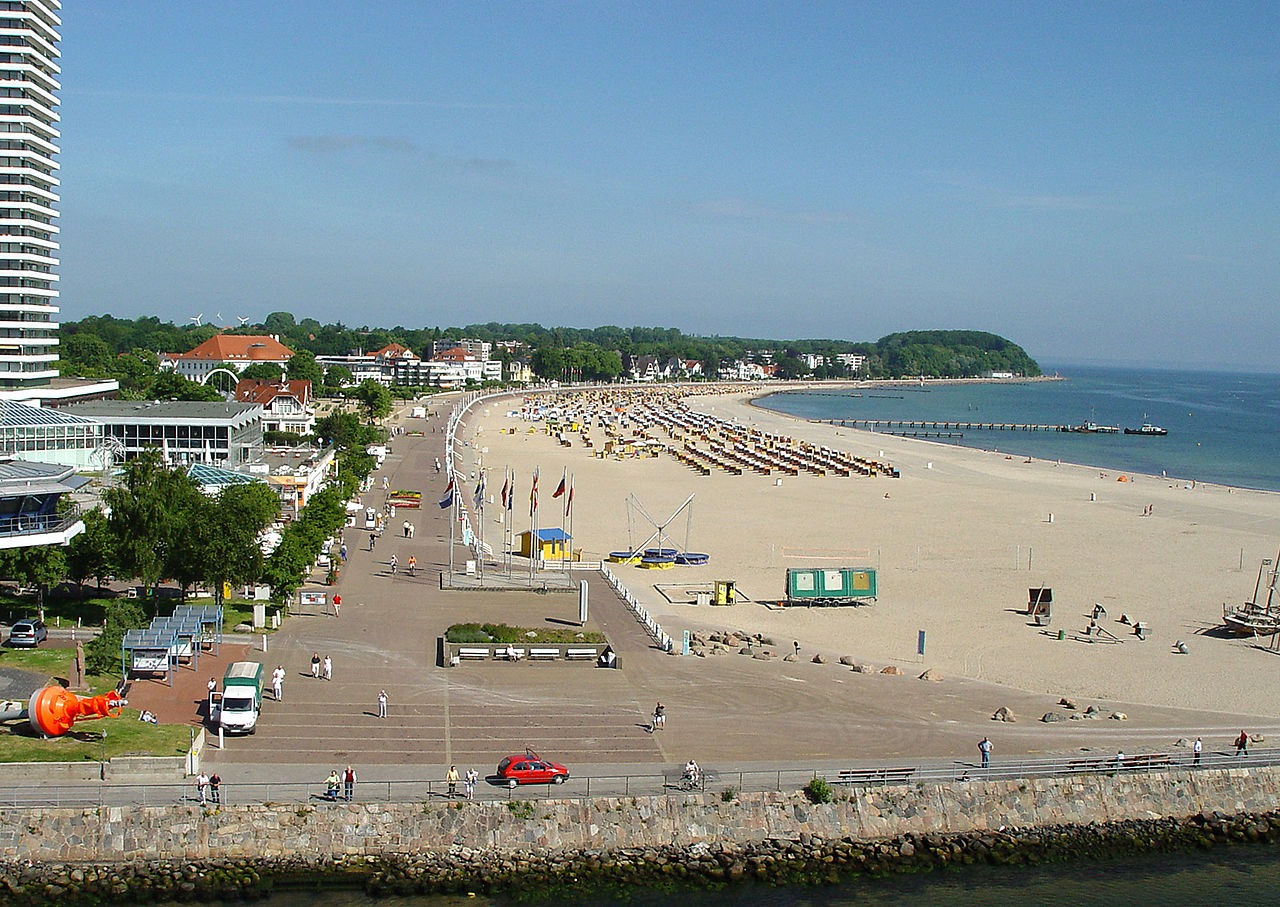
x=38, y=523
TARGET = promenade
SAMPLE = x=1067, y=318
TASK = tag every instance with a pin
x=728, y=712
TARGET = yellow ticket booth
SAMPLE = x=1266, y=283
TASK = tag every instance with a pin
x=553, y=544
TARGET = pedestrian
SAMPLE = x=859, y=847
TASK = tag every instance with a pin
x=315, y=665
x=1196, y=749
x=213, y=684
x=451, y=776
x=277, y=682
x=215, y=782
x=1119, y=758
x=984, y=747
x=342, y=552
x=1242, y=744
x=202, y=787
x=797, y=645
x=659, y=717
x=373, y=537
x=331, y=785
x=405, y=528
x=328, y=668
x=349, y=782
x=337, y=605
x=382, y=703
x=469, y=783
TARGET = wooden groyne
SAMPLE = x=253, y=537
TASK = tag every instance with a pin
x=898, y=425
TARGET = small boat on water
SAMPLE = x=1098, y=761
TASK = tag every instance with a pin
x=1147, y=429
x=1253, y=618
x=1091, y=428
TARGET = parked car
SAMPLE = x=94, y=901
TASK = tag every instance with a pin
x=28, y=633
x=529, y=769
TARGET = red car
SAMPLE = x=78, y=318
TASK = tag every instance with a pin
x=529, y=769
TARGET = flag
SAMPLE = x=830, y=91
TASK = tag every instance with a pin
x=447, y=501
x=568, y=502
x=506, y=487
x=533, y=494
x=559, y=488
x=479, y=497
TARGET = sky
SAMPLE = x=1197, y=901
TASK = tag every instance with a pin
x=1097, y=181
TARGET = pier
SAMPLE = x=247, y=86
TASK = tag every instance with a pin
x=896, y=426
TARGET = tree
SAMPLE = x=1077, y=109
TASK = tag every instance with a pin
x=92, y=552
x=375, y=397
x=86, y=355
x=262, y=371
x=279, y=322
x=337, y=376
x=302, y=367
x=148, y=510
x=102, y=655
x=172, y=386
x=238, y=517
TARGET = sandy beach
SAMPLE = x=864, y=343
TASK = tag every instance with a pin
x=956, y=540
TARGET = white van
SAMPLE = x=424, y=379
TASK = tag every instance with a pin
x=370, y=518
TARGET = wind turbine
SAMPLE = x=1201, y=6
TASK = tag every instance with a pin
x=218, y=317
x=243, y=319
x=196, y=319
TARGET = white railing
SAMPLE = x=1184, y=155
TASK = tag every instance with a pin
x=647, y=620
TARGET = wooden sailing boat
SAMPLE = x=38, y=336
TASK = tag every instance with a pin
x=1254, y=618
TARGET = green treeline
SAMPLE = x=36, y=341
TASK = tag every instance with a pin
x=101, y=346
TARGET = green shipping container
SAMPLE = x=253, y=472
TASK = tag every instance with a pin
x=819, y=586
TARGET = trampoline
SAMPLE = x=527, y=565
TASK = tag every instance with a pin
x=692, y=559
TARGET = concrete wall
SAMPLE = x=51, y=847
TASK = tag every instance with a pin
x=105, y=834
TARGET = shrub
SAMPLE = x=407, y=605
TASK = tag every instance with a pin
x=819, y=791
x=728, y=795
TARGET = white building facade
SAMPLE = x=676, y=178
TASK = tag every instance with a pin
x=29, y=146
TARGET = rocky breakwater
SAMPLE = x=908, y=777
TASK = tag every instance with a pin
x=805, y=860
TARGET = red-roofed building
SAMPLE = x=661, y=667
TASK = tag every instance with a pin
x=286, y=405
x=234, y=352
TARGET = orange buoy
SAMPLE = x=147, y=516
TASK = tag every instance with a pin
x=53, y=710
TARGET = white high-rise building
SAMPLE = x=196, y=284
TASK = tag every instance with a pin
x=28, y=193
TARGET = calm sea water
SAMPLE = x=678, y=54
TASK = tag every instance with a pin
x=1223, y=428
x=1238, y=876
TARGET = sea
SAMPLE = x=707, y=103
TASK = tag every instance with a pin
x=1222, y=427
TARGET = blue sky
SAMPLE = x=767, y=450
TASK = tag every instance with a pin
x=1096, y=181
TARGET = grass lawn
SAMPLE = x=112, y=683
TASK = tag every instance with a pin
x=125, y=736
x=501, y=633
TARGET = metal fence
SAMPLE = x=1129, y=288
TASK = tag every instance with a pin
x=724, y=783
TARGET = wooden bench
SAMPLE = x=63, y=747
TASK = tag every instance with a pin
x=580, y=653
x=544, y=653
x=475, y=653
x=875, y=776
x=1146, y=762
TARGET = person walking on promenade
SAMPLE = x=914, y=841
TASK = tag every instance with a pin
x=277, y=682
x=315, y=665
x=328, y=668
x=469, y=783
x=451, y=776
x=659, y=718
x=1242, y=744
x=202, y=787
x=213, y=684
x=1196, y=749
x=984, y=747
x=394, y=561
x=331, y=785
x=413, y=564
x=215, y=783
x=382, y=703
x=349, y=782
x=373, y=537
x=337, y=605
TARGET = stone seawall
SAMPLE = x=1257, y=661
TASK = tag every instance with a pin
x=187, y=832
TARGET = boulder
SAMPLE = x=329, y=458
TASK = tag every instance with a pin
x=1119, y=716
x=848, y=660
x=1048, y=717
x=790, y=656
x=1068, y=703
x=1093, y=712
x=891, y=669
x=762, y=655
x=932, y=675
x=818, y=659
x=864, y=669
x=744, y=651
x=1004, y=713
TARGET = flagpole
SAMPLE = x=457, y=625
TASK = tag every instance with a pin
x=568, y=509
x=564, y=477
x=453, y=518
x=479, y=502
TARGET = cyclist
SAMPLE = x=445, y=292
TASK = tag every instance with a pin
x=413, y=563
x=394, y=561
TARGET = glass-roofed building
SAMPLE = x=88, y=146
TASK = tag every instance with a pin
x=49, y=436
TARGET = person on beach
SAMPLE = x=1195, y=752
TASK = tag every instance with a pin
x=451, y=776
x=984, y=747
x=1242, y=744
x=1196, y=749
x=382, y=703
x=315, y=665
